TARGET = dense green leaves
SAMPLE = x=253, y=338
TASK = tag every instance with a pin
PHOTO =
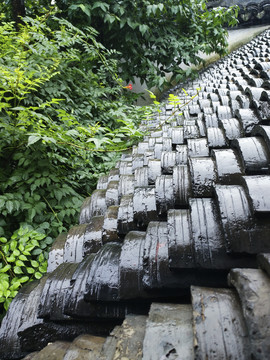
x=153, y=38
x=64, y=117
x=62, y=107
x=19, y=263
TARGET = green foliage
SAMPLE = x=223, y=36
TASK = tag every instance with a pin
x=23, y=258
x=154, y=38
x=150, y=39
x=32, y=7
x=60, y=109
x=64, y=117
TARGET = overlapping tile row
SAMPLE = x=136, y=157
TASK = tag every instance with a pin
x=218, y=323
x=181, y=209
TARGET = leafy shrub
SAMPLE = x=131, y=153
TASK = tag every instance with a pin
x=23, y=258
x=58, y=121
x=153, y=37
x=64, y=117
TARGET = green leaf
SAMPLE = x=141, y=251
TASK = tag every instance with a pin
x=38, y=275
x=85, y=9
x=143, y=28
x=109, y=18
x=104, y=6
x=13, y=294
x=24, y=279
x=37, y=251
x=9, y=206
x=17, y=270
x=13, y=245
x=34, y=263
x=7, y=303
x=19, y=263
x=43, y=267
x=5, y=268
x=41, y=258
x=28, y=248
x=5, y=249
x=30, y=270
x=21, y=247
x=132, y=24
x=33, y=139
x=15, y=284
x=16, y=252
x=34, y=242
x=39, y=236
x=48, y=240
x=7, y=293
x=32, y=213
x=11, y=258
x=160, y=6
x=4, y=285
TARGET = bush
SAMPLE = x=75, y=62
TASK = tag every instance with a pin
x=24, y=257
x=64, y=117
x=154, y=38
x=58, y=108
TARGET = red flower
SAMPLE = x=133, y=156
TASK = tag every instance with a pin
x=129, y=87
